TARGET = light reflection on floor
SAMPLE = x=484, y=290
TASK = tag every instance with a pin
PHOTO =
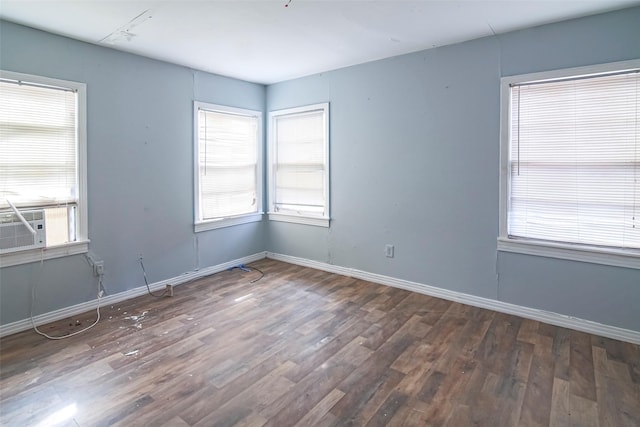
x=58, y=417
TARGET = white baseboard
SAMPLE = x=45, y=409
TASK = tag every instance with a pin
x=52, y=316
x=495, y=305
x=499, y=306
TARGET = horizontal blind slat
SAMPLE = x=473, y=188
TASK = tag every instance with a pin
x=300, y=168
x=575, y=161
x=38, y=164
x=227, y=155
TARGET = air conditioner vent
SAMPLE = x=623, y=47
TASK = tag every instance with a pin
x=15, y=236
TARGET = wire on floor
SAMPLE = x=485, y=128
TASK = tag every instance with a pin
x=146, y=282
x=33, y=303
x=248, y=270
x=259, y=271
x=166, y=292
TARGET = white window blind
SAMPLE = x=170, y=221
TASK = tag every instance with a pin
x=38, y=145
x=575, y=160
x=300, y=163
x=227, y=163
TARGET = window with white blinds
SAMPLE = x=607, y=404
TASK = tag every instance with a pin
x=300, y=164
x=228, y=177
x=42, y=141
x=574, y=160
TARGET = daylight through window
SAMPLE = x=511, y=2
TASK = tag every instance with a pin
x=574, y=160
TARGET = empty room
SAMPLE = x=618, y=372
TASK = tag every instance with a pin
x=320, y=213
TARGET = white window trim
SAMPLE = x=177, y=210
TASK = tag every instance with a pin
x=319, y=221
x=36, y=255
x=212, y=224
x=629, y=258
x=81, y=245
x=299, y=219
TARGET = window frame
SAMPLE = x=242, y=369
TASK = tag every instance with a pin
x=221, y=222
x=81, y=244
x=306, y=219
x=629, y=258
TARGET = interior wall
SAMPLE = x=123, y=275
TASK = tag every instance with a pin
x=414, y=152
x=415, y=163
x=140, y=171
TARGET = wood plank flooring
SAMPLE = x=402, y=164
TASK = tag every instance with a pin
x=302, y=347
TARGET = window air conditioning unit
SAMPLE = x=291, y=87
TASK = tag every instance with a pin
x=16, y=236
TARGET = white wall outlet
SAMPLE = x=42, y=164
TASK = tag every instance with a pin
x=98, y=268
x=96, y=263
x=388, y=251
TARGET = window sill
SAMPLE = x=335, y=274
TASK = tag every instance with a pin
x=35, y=255
x=615, y=257
x=306, y=220
x=227, y=222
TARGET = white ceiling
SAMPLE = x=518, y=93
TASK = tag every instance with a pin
x=268, y=41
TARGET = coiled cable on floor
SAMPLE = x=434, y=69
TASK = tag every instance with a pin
x=33, y=303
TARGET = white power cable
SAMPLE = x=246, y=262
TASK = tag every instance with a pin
x=33, y=303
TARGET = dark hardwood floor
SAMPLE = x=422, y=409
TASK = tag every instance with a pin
x=309, y=348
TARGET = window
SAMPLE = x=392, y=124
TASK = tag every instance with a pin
x=42, y=166
x=571, y=164
x=227, y=166
x=299, y=165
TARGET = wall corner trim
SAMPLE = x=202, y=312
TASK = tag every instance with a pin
x=556, y=319
x=52, y=316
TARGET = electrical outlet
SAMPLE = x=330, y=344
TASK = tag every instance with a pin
x=91, y=258
x=388, y=251
x=98, y=268
x=95, y=263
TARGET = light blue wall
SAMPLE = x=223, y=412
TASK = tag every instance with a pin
x=405, y=169
x=140, y=170
x=414, y=158
x=414, y=152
